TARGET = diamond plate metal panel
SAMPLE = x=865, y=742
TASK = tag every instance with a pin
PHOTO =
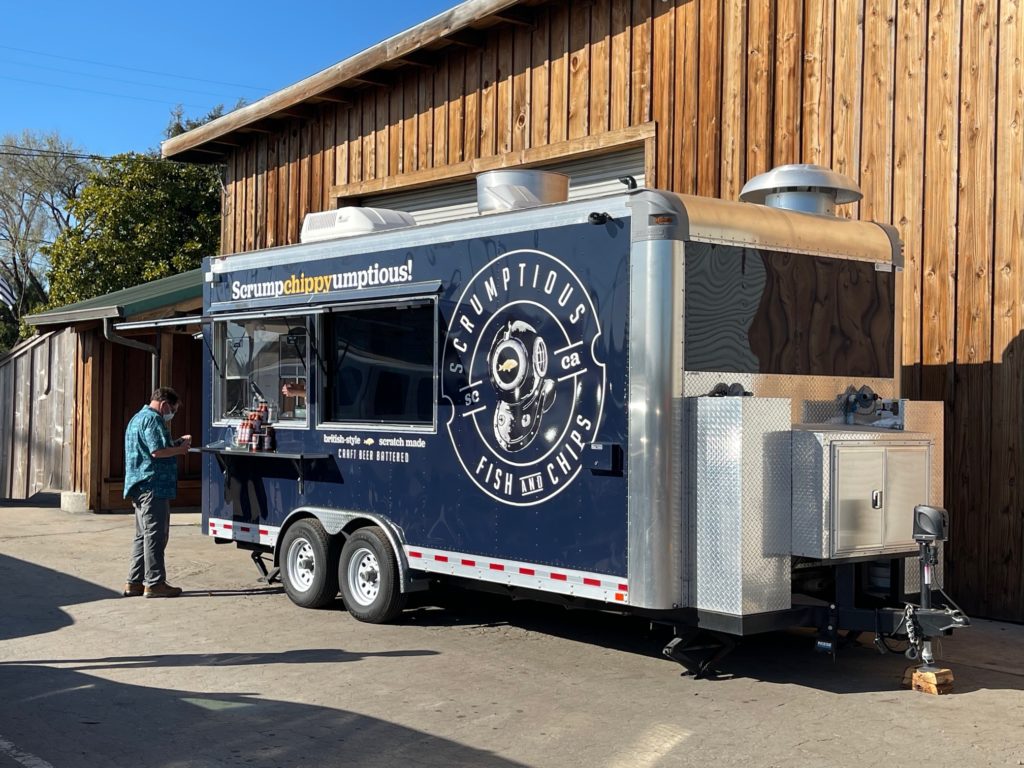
x=740, y=501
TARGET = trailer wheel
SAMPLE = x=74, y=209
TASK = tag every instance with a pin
x=308, y=557
x=368, y=573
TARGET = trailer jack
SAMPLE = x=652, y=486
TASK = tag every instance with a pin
x=698, y=650
x=267, y=576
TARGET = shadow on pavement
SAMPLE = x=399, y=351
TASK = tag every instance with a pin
x=32, y=597
x=777, y=657
x=71, y=719
x=304, y=656
x=46, y=499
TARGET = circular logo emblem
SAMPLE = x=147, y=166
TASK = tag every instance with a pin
x=520, y=372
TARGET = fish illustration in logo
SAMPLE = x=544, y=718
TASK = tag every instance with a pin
x=509, y=365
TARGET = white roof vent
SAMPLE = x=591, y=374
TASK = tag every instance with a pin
x=349, y=221
x=801, y=187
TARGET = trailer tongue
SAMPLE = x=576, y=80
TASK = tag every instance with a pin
x=672, y=406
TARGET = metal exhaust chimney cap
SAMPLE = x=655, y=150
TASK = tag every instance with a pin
x=801, y=187
x=509, y=189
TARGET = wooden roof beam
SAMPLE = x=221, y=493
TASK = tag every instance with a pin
x=301, y=111
x=341, y=96
x=467, y=38
x=419, y=59
x=517, y=16
x=376, y=80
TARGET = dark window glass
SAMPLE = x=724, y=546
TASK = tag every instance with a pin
x=255, y=359
x=380, y=365
x=750, y=311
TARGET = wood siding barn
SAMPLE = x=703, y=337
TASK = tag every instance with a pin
x=113, y=384
x=920, y=101
x=84, y=370
x=37, y=386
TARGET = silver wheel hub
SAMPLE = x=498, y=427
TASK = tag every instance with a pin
x=301, y=564
x=364, y=576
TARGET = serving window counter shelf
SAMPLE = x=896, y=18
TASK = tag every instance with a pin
x=227, y=454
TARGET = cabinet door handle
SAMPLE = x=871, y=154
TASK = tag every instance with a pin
x=876, y=499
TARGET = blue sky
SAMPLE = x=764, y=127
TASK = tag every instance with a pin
x=106, y=75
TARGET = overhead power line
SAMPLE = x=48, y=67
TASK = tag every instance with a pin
x=133, y=69
x=79, y=73
x=166, y=102
x=14, y=150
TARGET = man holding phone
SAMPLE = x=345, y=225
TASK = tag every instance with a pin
x=151, y=481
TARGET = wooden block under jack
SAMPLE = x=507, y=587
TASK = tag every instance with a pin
x=934, y=681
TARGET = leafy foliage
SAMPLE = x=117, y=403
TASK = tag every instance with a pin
x=181, y=123
x=138, y=218
x=40, y=176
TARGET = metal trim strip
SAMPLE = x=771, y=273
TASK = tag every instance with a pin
x=515, y=573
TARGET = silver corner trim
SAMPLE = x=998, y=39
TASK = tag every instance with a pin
x=655, y=439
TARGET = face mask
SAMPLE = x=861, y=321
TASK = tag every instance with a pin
x=168, y=417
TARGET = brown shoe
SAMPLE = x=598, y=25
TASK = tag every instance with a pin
x=132, y=589
x=162, y=589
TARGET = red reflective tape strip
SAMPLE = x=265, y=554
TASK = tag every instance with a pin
x=245, y=528
x=623, y=587
x=415, y=554
x=528, y=571
x=226, y=526
x=592, y=582
x=497, y=567
x=213, y=524
x=441, y=558
x=559, y=577
x=469, y=562
x=264, y=532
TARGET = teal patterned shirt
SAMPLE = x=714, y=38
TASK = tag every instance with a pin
x=146, y=433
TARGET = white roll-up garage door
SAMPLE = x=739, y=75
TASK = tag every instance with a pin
x=588, y=177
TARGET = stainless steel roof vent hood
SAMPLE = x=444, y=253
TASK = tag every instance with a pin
x=801, y=187
x=510, y=189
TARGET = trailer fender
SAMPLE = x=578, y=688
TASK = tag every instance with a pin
x=343, y=522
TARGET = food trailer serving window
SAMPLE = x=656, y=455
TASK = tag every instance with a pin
x=756, y=311
x=380, y=364
x=263, y=359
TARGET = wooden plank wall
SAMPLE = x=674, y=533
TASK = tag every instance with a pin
x=920, y=101
x=37, y=393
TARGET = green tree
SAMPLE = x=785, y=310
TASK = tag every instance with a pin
x=138, y=218
x=40, y=177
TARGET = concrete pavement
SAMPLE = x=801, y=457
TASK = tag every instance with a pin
x=232, y=674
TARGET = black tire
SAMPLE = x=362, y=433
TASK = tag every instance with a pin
x=308, y=559
x=369, y=579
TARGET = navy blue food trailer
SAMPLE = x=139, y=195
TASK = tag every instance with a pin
x=646, y=402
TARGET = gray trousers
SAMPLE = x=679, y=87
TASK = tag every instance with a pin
x=152, y=528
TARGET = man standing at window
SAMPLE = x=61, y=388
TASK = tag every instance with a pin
x=151, y=481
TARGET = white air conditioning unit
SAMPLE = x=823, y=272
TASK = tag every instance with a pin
x=351, y=220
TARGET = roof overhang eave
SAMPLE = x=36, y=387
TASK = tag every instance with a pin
x=190, y=145
x=74, y=316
